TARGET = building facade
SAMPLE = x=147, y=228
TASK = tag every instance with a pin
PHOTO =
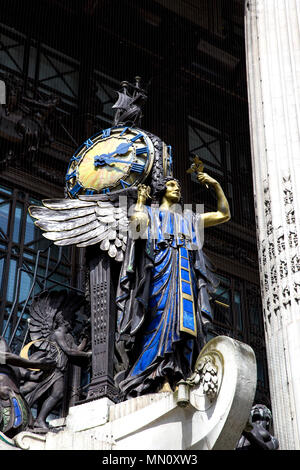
x=61, y=63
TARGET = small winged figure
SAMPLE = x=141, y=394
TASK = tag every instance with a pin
x=85, y=221
x=51, y=315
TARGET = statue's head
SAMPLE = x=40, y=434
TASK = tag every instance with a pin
x=60, y=321
x=261, y=413
x=168, y=188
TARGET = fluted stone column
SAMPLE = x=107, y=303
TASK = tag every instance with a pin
x=272, y=31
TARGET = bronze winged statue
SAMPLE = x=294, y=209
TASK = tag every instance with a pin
x=51, y=315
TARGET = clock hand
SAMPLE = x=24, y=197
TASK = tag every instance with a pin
x=101, y=160
x=135, y=166
x=109, y=161
x=122, y=149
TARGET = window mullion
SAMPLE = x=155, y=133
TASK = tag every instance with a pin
x=8, y=257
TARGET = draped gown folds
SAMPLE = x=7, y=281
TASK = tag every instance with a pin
x=163, y=301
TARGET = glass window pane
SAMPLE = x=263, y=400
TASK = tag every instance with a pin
x=59, y=278
x=58, y=84
x=17, y=53
x=26, y=281
x=13, y=60
x=254, y=309
x=223, y=311
x=224, y=280
x=32, y=233
x=215, y=152
x=72, y=80
x=237, y=303
x=11, y=280
x=2, y=260
x=17, y=222
x=59, y=72
x=106, y=94
x=4, y=189
x=193, y=139
x=32, y=62
x=34, y=201
x=223, y=315
x=212, y=147
x=29, y=256
x=4, y=214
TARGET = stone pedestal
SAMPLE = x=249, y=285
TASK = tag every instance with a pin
x=188, y=419
x=273, y=74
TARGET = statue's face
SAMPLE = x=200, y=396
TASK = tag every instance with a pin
x=173, y=192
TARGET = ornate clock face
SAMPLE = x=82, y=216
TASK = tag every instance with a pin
x=114, y=159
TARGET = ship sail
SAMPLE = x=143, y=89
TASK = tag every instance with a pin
x=123, y=102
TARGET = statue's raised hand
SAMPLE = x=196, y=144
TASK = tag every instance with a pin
x=139, y=219
x=143, y=194
x=205, y=179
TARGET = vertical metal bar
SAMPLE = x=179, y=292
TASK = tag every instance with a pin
x=47, y=268
x=20, y=259
x=27, y=299
x=12, y=201
x=75, y=373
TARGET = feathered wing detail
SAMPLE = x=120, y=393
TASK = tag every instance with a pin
x=42, y=317
x=84, y=223
x=43, y=312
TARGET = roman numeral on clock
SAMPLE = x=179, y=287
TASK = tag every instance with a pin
x=141, y=150
x=123, y=131
x=137, y=167
x=124, y=184
x=136, y=137
x=69, y=176
x=106, y=133
x=75, y=189
x=88, y=143
x=75, y=158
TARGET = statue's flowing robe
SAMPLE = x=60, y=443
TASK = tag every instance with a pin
x=162, y=301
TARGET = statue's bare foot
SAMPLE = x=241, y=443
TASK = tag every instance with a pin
x=40, y=426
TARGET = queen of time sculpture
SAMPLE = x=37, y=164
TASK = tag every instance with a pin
x=154, y=324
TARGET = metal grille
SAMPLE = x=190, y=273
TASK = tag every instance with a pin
x=28, y=264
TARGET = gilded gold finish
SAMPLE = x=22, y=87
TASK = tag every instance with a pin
x=197, y=166
x=222, y=304
x=223, y=211
x=25, y=350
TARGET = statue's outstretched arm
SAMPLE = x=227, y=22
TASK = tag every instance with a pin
x=17, y=361
x=222, y=214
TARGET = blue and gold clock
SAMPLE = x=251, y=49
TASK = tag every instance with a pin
x=114, y=159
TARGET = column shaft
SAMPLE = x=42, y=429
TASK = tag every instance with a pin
x=273, y=73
